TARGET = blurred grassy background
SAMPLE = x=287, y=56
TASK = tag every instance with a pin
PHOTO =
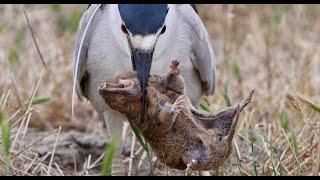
x=274, y=49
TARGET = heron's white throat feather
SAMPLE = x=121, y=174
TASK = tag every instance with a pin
x=144, y=42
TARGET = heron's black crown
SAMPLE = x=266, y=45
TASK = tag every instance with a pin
x=143, y=19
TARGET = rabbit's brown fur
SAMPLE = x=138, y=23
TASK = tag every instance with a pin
x=180, y=136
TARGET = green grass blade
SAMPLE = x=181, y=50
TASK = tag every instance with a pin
x=141, y=140
x=54, y=7
x=252, y=137
x=138, y=135
x=70, y=25
x=108, y=157
x=294, y=143
x=225, y=95
x=271, y=149
x=254, y=161
x=15, y=51
x=216, y=172
x=295, y=147
x=2, y=27
x=285, y=122
x=38, y=100
x=292, y=138
x=309, y=102
x=236, y=72
x=276, y=15
x=5, y=135
x=205, y=106
x=315, y=106
x=75, y=19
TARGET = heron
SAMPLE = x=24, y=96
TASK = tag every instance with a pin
x=114, y=38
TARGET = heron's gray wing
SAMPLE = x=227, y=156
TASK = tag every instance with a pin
x=204, y=59
x=81, y=49
x=194, y=7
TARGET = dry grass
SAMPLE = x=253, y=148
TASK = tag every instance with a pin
x=274, y=49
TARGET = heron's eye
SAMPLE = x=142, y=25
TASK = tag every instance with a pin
x=124, y=29
x=163, y=29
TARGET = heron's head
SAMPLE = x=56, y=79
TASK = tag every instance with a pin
x=143, y=24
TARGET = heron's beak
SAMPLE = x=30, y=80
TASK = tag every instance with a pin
x=141, y=61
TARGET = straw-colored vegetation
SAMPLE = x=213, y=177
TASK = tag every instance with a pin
x=274, y=49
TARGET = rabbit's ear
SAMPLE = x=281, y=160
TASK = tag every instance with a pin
x=230, y=135
x=222, y=121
